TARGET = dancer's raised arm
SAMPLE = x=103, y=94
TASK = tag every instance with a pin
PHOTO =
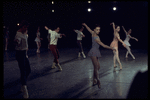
x=124, y=30
x=88, y=28
x=113, y=26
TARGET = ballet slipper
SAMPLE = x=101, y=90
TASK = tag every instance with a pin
x=60, y=69
x=79, y=55
x=115, y=66
x=83, y=55
x=53, y=66
x=94, y=82
x=25, y=91
x=126, y=57
x=99, y=84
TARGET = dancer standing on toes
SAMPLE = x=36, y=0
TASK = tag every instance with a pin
x=114, y=44
x=79, y=39
x=23, y=62
x=126, y=41
x=94, y=53
x=53, y=45
x=38, y=40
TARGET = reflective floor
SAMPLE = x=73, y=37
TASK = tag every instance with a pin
x=75, y=80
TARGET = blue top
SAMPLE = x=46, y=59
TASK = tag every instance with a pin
x=94, y=43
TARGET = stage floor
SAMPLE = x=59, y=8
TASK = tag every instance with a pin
x=75, y=80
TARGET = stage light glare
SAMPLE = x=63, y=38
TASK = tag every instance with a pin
x=89, y=9
x=114, y=8
x=52, y=2
x=89, y=1
x=17, y=24
x=52, y=10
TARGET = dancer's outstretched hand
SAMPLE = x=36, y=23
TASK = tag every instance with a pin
x=124, y=44
x=83, y=24
x=136, y=39
x=111, y=23
x=63, y=35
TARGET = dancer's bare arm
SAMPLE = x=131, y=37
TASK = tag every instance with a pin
x=124, y=30
x=102, y=44
x=88, y=28
x=113, y=26
x=133, y=38
x=118, y=37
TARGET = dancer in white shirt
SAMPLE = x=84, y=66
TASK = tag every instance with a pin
x=79, y=39
x=126, y=41
x=53, y=45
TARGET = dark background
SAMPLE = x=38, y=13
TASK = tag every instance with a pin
x=70, y=15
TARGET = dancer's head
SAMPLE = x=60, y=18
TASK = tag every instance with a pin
x=81, y=29
x=57, y=29
x=97, y=28
x=117, y=28
x=129, y=32
x=24, y=26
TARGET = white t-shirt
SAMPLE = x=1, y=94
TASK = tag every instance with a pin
x=53, y=37
x=23, y=43
x=79, y=34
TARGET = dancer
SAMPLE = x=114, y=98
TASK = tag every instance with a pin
x=38, y=40
x=94, y=53
x=6, y=38
x=114, y=44
x=23, y=62
x=48, y=38
x=53, y=45
x=79, y=39
x=126, y=41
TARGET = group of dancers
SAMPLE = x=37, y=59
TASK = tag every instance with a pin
x=94, y=53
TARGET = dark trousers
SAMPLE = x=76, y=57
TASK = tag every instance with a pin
x=55, y=53
x=24, y=65
x=80, y=46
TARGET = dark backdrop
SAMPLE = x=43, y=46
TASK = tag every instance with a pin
x=70, y=15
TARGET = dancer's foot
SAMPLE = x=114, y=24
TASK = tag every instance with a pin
x=126, y=57
x=121, y=68
x=53, y=66
x=99, y=84
x=60, y=69
x=94, y=82
x=79, y=55
x=25, y=91
x=83, y=55
x=115, y=66
x=134, y=58
x=38, y=51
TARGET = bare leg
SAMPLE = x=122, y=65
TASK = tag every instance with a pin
x=117, y=58
x=6, y=44
x=129, y=50
x=38, y=46
x=127, y=54
x=96, y=67
x=114, y=58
